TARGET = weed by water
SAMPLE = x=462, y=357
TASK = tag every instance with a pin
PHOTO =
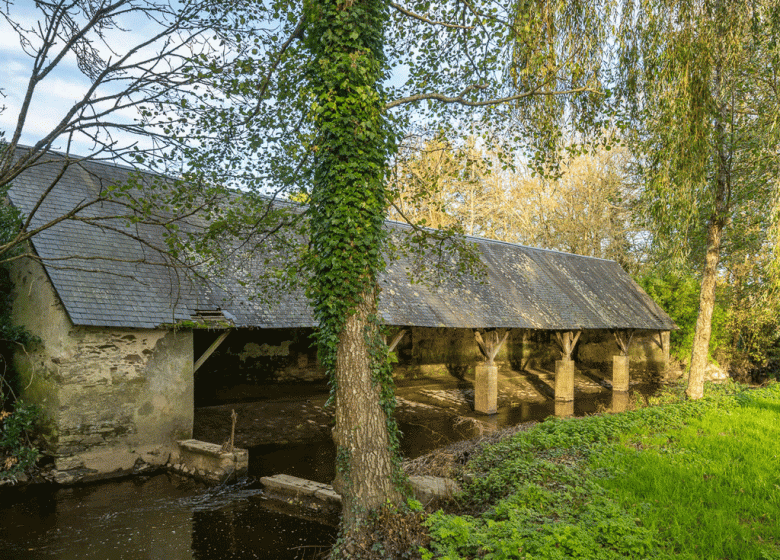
x=680, y=480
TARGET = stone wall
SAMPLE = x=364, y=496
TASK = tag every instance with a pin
x=109, y=396
x=253, y=357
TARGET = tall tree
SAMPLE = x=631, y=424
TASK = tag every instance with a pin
x=351, y=146
x=700, y=80
x=307, y=105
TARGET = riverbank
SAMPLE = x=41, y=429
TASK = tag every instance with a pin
x=691, y=480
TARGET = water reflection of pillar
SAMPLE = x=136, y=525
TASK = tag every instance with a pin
x=620, y=401
x=620, y=374
x=564, y=380
x=564, y=408
x=486, y=389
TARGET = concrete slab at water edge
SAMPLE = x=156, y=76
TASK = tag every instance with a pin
x=429, y=490
x=209, y=462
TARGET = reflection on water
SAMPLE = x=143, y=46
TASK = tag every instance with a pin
x=162, y=517
x=620, y=401
x=168, y=517
x=317, y=461
x=564, y=409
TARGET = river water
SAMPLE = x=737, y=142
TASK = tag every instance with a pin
x=165, y=516
x=157, y=517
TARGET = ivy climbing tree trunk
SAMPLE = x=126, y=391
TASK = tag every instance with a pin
x=348, y=205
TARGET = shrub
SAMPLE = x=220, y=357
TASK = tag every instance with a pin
x=17, y=452
x=678, y=295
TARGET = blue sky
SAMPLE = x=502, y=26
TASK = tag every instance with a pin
x=53, y=97
x=60, y=90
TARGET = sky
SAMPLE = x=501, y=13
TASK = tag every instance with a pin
x=55, y=95
x=50, y=102
x=66, y=85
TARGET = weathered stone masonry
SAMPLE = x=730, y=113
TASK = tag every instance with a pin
x=110, y=396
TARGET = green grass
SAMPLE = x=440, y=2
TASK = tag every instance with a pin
x=678, y=480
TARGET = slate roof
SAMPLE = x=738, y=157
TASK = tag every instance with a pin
x=524, y=288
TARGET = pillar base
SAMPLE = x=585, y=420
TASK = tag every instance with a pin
x=620, y=374
x=486, y=389
x=564, y=380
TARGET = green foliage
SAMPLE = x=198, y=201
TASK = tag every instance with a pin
x=678, y=295
x=389, y=532
x=703, y=127
x=17, y=453
x=673, y=481
x=352, y=145
x=348, y=199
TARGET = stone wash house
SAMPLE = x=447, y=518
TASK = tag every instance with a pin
x=127, y=344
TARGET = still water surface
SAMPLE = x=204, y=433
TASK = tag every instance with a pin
x=168, y=517
x=159, y=517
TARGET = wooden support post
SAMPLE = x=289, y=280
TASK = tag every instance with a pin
x=396, y=339
x=524, y=361
x=620, y=363
x=491, y=343
x=210, y=350
x=567, y=340
x=564, y=368
x=666, y=347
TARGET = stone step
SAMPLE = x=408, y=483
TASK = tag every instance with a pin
x=429, y=490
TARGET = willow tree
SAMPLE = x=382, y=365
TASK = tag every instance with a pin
x=309, y=105
x=700, y=80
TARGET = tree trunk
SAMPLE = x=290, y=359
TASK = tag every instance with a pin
x=348, y=204
x=701, y=339
x=364, y=463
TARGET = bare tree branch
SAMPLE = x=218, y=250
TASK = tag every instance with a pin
x=428, y=20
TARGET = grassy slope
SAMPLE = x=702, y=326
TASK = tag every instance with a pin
x=679, y=480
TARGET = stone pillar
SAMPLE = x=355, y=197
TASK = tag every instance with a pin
x=564, y=380
x=620, y=374
x=486, y=389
